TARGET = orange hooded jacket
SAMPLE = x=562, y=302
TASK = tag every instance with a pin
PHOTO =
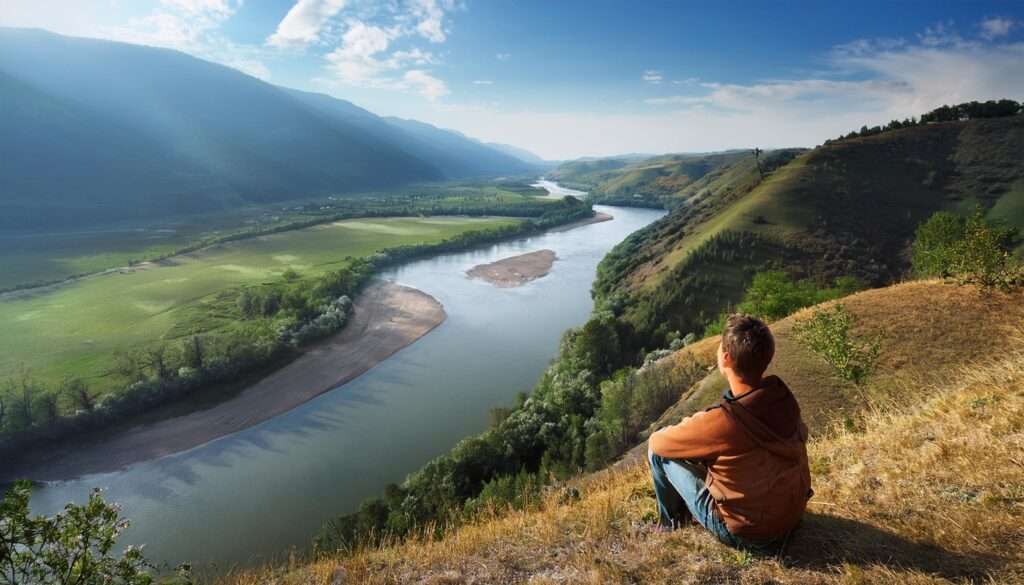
x=754, y=446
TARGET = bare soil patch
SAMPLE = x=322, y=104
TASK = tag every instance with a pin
x=515, y=271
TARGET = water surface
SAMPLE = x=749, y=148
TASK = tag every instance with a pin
x=249, y=496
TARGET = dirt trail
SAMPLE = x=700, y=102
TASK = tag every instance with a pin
x=387, y=318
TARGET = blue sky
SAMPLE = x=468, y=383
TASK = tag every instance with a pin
x=568, y=79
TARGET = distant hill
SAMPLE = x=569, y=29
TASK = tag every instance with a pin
x=846, y=208
x=456, y=154
x=522, y=154
x=651, y=180
x=97, y=131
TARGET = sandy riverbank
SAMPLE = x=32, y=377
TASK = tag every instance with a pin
x=387, y=318
x=515, y=271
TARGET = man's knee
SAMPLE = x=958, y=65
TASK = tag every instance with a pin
x=654, y=459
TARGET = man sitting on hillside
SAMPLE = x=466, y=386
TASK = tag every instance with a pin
x=738, y=468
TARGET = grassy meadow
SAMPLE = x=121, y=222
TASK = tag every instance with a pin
x=75, y=330
x=39, y=257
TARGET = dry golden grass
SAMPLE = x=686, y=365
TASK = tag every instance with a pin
x=927, y=486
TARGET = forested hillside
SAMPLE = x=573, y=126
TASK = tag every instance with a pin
x=96, y=131
x=848, y=208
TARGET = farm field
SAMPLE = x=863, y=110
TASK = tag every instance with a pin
x=76, y=330
x=37, y=257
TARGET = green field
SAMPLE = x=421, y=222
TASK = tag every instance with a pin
x=76, y=329
x=37, y=257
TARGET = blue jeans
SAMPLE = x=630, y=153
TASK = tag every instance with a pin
x=681, y=493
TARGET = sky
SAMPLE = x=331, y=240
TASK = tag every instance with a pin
x=571, y=78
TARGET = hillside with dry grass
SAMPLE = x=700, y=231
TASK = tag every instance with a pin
x=918, y=474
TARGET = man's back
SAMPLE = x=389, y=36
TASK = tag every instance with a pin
x=752, y=444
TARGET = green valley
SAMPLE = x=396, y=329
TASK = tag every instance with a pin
x=76, y=330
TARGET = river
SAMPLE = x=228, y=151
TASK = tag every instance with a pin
x=248, y=497
x=557, y=191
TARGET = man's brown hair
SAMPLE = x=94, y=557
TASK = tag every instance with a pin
x=750, y=344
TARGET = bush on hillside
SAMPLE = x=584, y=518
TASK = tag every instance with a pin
x=935, y=241
x=972, y=249
x=73, y=547
x=983, y=257
x=828, y=333
x=773, y=295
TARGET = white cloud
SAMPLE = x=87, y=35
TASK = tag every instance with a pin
x=992, y=28
x=677, y=100
x=425, y=84
x=363, y=60
x=202, y=6
x=482, y=82
x=429, y=15
x=303, y=22
x=503, y=56
x=366, y=56
x=652, y=76
x=357, y=60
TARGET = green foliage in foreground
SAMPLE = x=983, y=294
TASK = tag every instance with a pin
x=73, y=547
x=828, y=333
x=773, y=295
x=971, y=249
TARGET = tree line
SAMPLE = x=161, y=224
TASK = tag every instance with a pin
x=966, y=111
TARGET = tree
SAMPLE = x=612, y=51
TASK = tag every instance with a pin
x=77, y=394
x=47, y=406
x=982, y=256
x=829, y=333
x=757, y=161
x=971, y=249
x=290, y=275
x=934, y=244
x=193, y=353
x=155, y=358
x=73, y=547
x=248, y=304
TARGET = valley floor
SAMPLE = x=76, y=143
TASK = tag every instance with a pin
x=387, y=317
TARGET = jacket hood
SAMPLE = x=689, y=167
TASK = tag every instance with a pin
x=770, y=415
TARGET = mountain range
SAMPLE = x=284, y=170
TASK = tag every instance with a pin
x=98, y=131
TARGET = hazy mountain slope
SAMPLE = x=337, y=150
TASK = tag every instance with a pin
x=456, y=155
x=520, y=153
x=848, y=208
x=877, y=515
x=453, y=154
x=98, y=131
x=52, y=171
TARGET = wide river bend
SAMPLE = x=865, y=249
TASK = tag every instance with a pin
x=247, y=497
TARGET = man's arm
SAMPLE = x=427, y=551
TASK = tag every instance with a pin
x=701, y=437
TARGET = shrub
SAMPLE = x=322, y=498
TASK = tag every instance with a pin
x=828, y=333
x=932, y=253
x=971, y=249
x=982, y=256
x=73, y=547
